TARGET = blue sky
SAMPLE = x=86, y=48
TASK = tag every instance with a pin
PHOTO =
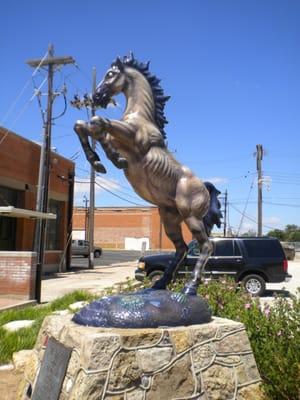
x=231, y=68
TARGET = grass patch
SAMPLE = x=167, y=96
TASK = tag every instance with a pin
x=25, y=338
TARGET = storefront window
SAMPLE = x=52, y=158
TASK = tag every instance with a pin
x=8, y=225
x=53, y=239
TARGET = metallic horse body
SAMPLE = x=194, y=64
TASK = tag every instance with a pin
x=136, y=144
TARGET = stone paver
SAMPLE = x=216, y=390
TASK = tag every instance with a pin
x=9, y=381
x=13, y=326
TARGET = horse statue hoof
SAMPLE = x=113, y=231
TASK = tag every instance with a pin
x=159, y=285
x=190, y=290
x=122, y=163
x=99, y=167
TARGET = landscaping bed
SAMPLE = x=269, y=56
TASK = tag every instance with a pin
x=274, y=332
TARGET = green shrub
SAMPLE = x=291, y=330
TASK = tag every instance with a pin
x=274, y=333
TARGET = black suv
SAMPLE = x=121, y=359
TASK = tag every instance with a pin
x=253, y=261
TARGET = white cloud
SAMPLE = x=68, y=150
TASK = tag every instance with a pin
x=272, y=221
x=216, y=180
x=248, y=226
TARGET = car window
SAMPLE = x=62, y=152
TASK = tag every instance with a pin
x=224, y=248
x=237, y=251
x=263, y=248
x=80, y=242
x=73, y=241
x=86, y=243
x=193, y=249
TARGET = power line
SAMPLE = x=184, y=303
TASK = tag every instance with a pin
x=22, y=91
x=116, y=195
x=111, y=192
x=245, y=207
x=250, y=218
x=242, y=199
x=282, y=204
x=7, y=130
x=283, y=173
x=280, y=182
x=128, y=189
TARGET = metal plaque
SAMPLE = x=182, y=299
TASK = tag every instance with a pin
x=52, y=372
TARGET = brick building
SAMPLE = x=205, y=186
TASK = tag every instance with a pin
x=19, y=169
x=125, y=227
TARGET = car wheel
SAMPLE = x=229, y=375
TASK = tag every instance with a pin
x=155, y=276
x=97, y=253
x=254, y=285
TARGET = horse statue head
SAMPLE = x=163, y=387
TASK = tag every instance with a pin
x=133, y=78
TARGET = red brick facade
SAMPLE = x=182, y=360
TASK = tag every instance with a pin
x=17, y=274
x=19, y=169
x=114, y=224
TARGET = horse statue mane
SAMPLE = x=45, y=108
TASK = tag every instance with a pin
x=158, y=93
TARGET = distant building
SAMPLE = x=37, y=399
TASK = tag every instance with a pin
x=19, y=169
x=125, y=228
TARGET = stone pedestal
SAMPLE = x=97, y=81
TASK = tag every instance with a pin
x=208, y=361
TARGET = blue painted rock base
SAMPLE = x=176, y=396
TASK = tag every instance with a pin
x=145, y=309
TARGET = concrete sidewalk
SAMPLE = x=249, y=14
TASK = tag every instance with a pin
x=99, y=278
x=94, y=280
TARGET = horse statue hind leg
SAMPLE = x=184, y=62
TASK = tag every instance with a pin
x=197, y=228
x=194, y=200
x=171, y=220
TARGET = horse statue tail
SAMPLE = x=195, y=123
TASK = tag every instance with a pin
x=214, y=215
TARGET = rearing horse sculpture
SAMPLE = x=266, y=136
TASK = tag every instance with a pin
x=136, y=144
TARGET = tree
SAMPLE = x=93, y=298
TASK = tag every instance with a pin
x=291, y=228
x=279, y=234
x=294, y=236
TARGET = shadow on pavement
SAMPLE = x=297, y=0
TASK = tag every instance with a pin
x=75, y=271
x=276, y=293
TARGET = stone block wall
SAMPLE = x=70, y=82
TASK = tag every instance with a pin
x=17, y=273
x=209, y=361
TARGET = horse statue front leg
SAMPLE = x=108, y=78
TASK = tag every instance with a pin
x=111, y=153
x=83, y=131
x=122, y=131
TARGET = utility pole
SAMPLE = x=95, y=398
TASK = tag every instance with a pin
x=92, y=189
x=225, y=214
x=43, y=185
x=85, y=202
x=259, y=157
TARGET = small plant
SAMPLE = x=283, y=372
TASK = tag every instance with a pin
x=274, y=333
